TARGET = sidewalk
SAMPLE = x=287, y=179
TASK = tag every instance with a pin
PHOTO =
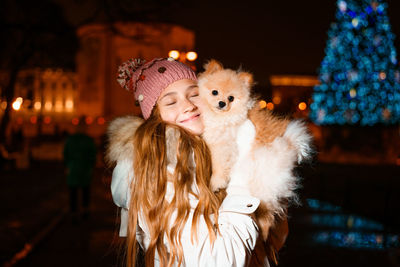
x=90, y=242
x=341, y=205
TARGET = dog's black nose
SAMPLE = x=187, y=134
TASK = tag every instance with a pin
x=221, y=104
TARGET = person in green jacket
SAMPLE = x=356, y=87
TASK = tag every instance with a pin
x=80, y=159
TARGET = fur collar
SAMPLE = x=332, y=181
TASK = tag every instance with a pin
x=120, y=138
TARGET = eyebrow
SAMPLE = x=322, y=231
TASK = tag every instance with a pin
x=192, y=86
x=174, y=93
x=167, y=94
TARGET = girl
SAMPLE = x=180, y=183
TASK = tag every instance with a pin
x=167, y=205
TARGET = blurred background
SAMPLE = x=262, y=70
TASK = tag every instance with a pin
x=332, y=63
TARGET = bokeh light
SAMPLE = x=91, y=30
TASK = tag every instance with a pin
x=276, y=100
x=37, y=105
x=48, y=106
x=359, y=73
x=88, y=120
x=17, y=103
x=302, y=106
x=174, y=54
x=191, y=56
x=33, y=119
x=100, y=120
x=270, y=106
x=4, y=105
x=75, y=121
x=47, y=120
x=69, y=104
x=262, y=104
x=59, y=106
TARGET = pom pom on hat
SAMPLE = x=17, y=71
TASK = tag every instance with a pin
x=126, y=70
x=148, y=79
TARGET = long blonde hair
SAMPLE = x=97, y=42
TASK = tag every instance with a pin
x=148, y=191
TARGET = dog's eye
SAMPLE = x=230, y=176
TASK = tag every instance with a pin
x=214, y=92
x=230, y=98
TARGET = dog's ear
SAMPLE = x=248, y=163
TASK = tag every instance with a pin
x=247, y=78
x=212, y=66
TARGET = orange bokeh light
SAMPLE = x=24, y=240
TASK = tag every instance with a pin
x=89, y=120
x=174, y=54
x=302, y=106
x=191, y=56
x=270, y=106
x=100, y=120
x=262, y=104
x=33, y=119
x=47, y=120
x=75, y=121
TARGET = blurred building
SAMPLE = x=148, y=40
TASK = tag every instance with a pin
x=105, y=47
x=291, y=94
x=52, y=101
x=45, y=101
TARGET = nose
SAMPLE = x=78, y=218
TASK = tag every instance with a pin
x=221, y=104
x=189, y=106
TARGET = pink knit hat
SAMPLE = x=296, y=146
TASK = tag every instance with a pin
x=148, y=80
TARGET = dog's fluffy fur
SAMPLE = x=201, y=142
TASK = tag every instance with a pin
x=250, y=147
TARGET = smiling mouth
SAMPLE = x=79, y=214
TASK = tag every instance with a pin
x=191, y=118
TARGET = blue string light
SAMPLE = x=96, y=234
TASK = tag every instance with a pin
x=345, y=230
x=360, y=79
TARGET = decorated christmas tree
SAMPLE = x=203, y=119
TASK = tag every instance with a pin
x=359, y=75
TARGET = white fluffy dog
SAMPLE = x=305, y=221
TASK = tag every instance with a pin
x=250, y=147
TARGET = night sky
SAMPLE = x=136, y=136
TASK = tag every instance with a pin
x=264, y=37
x=268, y=37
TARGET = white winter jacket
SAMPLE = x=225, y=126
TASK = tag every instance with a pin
x=235, y=243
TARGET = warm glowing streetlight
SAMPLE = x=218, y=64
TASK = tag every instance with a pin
x=69, y=104
x=89, y=120
x=75, y=121
x=101, y=120
x=47, y=120
x=17, y=103
x=3, y=105
x=48, y=106
x=270, y=105
x=59, y=106
x=33, y=119
x=276, y=100
x=37, y=105
x=262, y=104
x=302, y=106
x=191, y=56
x=174, y=54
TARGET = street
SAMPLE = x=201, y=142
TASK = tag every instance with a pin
x=348, y=216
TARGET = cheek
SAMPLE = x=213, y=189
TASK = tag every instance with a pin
x=168, y=114
x=198, y=102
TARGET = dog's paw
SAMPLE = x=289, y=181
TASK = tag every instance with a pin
x=218, y=183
